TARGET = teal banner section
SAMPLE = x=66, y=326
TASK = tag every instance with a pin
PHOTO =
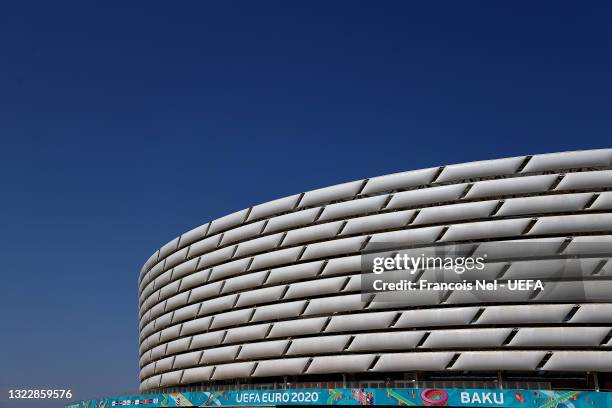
x=453, y=397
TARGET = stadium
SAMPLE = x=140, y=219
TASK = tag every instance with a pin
x=272, y=297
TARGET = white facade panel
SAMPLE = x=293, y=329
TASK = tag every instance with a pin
x=400, y=180
x=274, y=290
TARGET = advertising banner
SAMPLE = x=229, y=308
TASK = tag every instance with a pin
x=453, y=397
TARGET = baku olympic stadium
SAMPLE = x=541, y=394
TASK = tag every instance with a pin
x=271, y=297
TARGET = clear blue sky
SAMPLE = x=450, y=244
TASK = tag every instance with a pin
x=124, y=124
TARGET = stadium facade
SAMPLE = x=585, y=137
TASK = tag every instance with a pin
x=272, y=296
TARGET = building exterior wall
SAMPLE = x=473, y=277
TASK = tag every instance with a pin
x=274, y=290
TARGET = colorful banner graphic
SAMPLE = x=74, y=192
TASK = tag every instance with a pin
x=453, y=397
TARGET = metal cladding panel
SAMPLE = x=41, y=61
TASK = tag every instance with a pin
x=510, y=186
x=184, y=269
x=258, y=245
x=163, y=321
x=176, y=258
x=586, y=180
x=264, y=295
x=559, y=336
x=596, y=291
x=149, y=264
x=502, y=294
x=466, y=338
x=176, y=301
x=196, y=375
x=187, y=359
x=229, y=269
x=400, y=180
x=333, y=193
x=572, y=223
x=412, y=236
x=264, y=349
x=278, y=311
x=318, y=345
x=178, y=346
x=418, y=298
x=544, y=204
x=569, y=160
x=480, y=169
x=436, y=317
x=216, y=257
x=162, y=279
x=194, y=235
x=377, y=222
x=147, y=329
x=335, y=247
x=231, y=318
x=315, y=287
x=242, y=233
x=250, y=280
x=169, y=290
x=164, y=364
x=291, y=220
x=154, y=381
x=196, y=326
x=219, y=354
x=274, y=207
x=149, y=342
x=431, y=195
x=146, y=291
x=156, y=270
x=246, y=333
x=524, y=314
x=413, y=361
x=312, y=233
x=233, y=370
x=227, y=222
x=295, y=272
x=593, y=313
x=277, y=258
x=204, y=246
x=335, y=364
x=552, y=269
x=365, y=321
x=196, y=279
x=606, y=270
x=498, y=360
x=338, y=266
x=158, y=309
x=445, y=213
x=579, y=361
x=334, y=304
x=486, y=229
x=158, y=352
x=386, y=341
x=207, y=340
x=145, y=358
x=285, y=366
x=519, y=248
x=217, y=304
x=170, y=378
x=603, y=202
x=592, y=244
x=170, y=333
x=297, y=327
x=206, y=291
x=353, y=285
x=147, y=370
x=354, y=207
